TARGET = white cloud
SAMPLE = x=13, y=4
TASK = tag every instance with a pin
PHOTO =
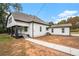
x=64, y=15
x=67, y=13
x=63, y=18
x=57, y=20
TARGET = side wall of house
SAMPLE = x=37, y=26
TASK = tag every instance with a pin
x=37, y=29
x=58, y=31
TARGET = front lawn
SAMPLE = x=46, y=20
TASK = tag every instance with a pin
x=5, y=38
x=10, y=46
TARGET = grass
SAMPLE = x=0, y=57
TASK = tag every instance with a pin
x=5, y=38
x=5, y=48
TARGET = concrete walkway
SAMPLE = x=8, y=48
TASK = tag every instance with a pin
x=74, y=34
x=69, y=50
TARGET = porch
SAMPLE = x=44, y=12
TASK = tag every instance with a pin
x=18, y=31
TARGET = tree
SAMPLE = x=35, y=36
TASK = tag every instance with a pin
x=62, y=22
x=7, y=7
x=51, y=23
x=73, y=21
x=77, y=24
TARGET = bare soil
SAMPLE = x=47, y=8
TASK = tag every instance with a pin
x=61, y=40
x=21, y=47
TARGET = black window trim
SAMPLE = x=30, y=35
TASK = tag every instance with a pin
x=25, y=29
x=40, y=29
x=63, y=30
x=52, y=30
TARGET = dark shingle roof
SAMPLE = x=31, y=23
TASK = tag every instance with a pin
x=62, y=25
x=27, y=18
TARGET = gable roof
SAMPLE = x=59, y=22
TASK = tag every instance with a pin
x=27, y=18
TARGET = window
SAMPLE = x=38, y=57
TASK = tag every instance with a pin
x=52, y=29
x=19, y=28
x=62, y=30
x=26, y=29
x=40, y=28
x=47, y=28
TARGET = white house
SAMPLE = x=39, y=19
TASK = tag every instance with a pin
x=20, y=23
x=62, y=29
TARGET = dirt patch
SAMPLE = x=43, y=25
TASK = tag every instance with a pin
x=62, y=40
x=43, y=51
x=22, y=47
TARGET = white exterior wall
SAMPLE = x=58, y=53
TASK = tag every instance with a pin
x=30, y=29
x=34, y=29
x=22, y=23
x=37, y=30
x=58, y=31
x=12, y=22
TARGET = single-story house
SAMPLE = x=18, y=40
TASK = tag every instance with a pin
x=32, y=26
x=61, y=29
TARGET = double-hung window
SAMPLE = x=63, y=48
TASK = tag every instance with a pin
x=63, y=30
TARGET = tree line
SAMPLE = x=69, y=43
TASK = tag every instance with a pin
x=73, y=20
x=7, y=7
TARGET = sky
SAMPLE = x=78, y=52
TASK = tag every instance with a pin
x=54, y=12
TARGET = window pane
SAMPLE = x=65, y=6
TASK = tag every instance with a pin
x=40, y=28
x=62, y=30
x=52, y=29
x=26, y=29
x=47, y=28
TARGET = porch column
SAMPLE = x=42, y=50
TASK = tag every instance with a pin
x=16, y=32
